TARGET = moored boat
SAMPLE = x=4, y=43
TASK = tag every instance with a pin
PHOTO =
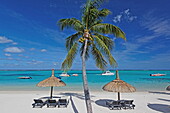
x=157, y=74
x=64, y=74
x=75, y=75
x=108, y=73
x=25, y=77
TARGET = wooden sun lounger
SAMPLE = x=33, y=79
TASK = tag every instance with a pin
x=38, y=103
x=51, y=103
x=63, y=101
x=128, y=104
x=114, y=104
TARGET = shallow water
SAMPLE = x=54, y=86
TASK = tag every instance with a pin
x=141, y=80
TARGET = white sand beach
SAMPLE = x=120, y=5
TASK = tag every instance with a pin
x=146, y=102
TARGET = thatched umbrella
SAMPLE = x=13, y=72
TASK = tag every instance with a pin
x=51, y=82
x=118, y=85
x=168, y=88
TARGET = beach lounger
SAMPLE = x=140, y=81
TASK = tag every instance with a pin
x=63, y=102
x=38, y=103
x=114, y=104
x=109, y=103
x=51, y=103
x=128, y=104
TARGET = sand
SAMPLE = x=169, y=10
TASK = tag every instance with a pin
x=146, y=102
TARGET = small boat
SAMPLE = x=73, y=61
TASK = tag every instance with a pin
x=64, y=74
x=158, y=74
x=107, y=73
x=25, y=77
x=75, y=75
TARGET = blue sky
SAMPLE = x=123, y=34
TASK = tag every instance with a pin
x=31, y=39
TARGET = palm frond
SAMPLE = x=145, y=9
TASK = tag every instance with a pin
x=108, y=29
x=97, y=3
x=104, y=12
x=91, y=12
x=71, y=39
x=98, y=57
x=108, y=41
x=71, y=23
x=67, y=63
x=104, y=49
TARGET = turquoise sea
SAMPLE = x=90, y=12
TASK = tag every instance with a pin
x=141, y=80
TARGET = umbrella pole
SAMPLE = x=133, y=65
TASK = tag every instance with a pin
x=51, y=92
x=118, y=95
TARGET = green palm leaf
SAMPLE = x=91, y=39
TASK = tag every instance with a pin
x=104, y=13
x=104, y=49
x=98, y=57
x=108, y=42
x=71, y=39
x=70, y=57
x=108, y=29
x=71, y=23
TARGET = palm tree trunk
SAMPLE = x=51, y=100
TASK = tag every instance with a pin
x=85, y=83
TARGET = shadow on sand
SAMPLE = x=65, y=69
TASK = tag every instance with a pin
x=164, y=99
x=80, y=96
x=77, y=95
x=71, y=100
x=73, y=105
x=55, y=97
x=102, y=102
x=156, y=92
x=160, y=107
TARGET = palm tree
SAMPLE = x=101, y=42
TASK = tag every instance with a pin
x=90, y=39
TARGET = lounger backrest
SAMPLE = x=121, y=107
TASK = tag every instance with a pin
x=62, y=100
x=38, y=101
x=109, y=102
x=128, y=101
x=51, y=101
x=116, y=102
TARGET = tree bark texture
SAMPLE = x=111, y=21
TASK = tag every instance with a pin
x=85, y=83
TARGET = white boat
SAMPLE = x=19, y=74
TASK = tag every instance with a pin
x=75, y=75
x=107, y=73
x=157, y=74
x=64, y=74
x=25, y=77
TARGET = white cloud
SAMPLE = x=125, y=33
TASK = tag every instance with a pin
x=159, y=26
x=43, y=50
x=35, y=62
x=6, y=54
x=127, y=11
x=32, y=49
x=55, y=63
x=146, y=39
x=14, y=43
x=124, y=15
x=14, y=50
x=117, y=18
x=132, y=18
x=5, y=40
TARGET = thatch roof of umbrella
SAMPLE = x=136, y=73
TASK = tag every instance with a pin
x=51, y=82
x=168, y=88
x=118, y=85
